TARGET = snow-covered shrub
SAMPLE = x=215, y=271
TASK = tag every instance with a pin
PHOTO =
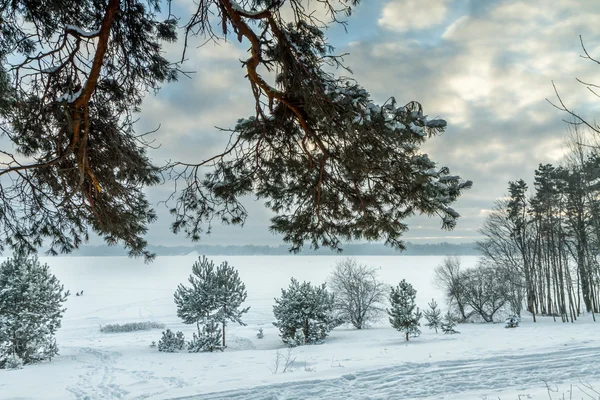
x=31, y=300
x=449, y=324
x=207, y=339
x=13, y=361
x=512, y=321
x=304, y=313
x=260, y=333
x=215, y=294
x=171, y=342
x=131, y=326
x=433, y=316
x=284, y=361
x=153, y=344
x=404, y=313
x=359, y=295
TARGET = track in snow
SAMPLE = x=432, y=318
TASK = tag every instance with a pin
x=97, y=376
x=410, y=381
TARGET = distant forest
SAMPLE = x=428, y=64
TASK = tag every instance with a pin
x=366, y=249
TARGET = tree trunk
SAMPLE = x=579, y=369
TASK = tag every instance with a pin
x=305, y=330
x=223, y=333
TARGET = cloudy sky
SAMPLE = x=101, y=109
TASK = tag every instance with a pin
x=485, y=66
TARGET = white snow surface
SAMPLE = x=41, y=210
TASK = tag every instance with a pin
x=484, y=361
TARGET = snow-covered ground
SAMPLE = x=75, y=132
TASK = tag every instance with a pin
x=485, y=361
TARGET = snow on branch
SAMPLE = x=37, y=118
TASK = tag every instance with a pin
x=248, y=14
x=70, y=97
x=75, y=30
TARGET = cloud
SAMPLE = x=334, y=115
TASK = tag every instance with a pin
x=486, y=68
x=488, y=72
x=405, y=15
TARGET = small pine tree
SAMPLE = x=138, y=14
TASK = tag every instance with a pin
x=260, y=333
x=31, y=310
x=403, y=315
x=216, y=294
x=449, y=324
x=433, y=316
x=208, y=339
x=171, y=342
x=304, y=314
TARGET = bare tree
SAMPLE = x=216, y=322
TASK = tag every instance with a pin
x=448, y=278
x=500, y=248
x=485, y=291
x=575, y=118
x=359, y=296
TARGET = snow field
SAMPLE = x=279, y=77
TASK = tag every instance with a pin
x=484, y=361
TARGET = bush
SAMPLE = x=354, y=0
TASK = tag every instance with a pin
x=131, y=327
x=260, y=333
x=30, y=311
x=171, y=342
x=304, y=314
x=512, y=322
x=208, y=339
x=359, y=296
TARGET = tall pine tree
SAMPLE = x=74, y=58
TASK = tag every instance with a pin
x=403, y=315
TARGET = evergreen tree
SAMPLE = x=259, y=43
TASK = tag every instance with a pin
x=208, y=339
x=449, y=324
x=31, y=299
x=229, y=295
x=403, y=315
x=336, y=166
x=433, y=316
x=215, y=294
x=304, y=313
x=171, y=342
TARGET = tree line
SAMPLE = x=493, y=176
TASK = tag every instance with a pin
x=545, y=242
x=350, y=249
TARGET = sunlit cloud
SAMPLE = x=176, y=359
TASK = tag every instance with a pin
x=487, y=68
